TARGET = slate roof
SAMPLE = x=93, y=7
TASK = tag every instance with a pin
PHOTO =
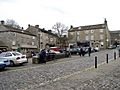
x=116, y=31
x=12, y=29
x=88, y=27
x=48, y=32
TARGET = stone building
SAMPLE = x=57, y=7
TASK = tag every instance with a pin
x=44, y=37
x=115, y=37
x=93, y=35
x=13, y=39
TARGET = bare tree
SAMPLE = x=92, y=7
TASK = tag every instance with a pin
x=12, y=23
x=61, y=30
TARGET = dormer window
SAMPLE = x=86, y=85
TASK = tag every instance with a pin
x=79, y=28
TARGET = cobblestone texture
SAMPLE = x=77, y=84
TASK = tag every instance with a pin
x=43, y=76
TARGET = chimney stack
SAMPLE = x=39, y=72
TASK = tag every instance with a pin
x=50, y=31
x=2, y=22
x=71, y=26
x=37, y=26
x=28, y=25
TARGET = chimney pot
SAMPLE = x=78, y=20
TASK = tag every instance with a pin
x=71, y=26
x=2, y=22
x=28, y=25
x=37, y=26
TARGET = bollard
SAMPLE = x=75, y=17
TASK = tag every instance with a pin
x=115, y=55
x=119, y=53
x=95, y=61
x=106, y=58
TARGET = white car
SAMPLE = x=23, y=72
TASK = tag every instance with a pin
x=96, y=49
x=14, y=57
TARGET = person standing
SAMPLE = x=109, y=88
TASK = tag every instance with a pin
x=43, y=56
x=81, y=51
x=89, y=51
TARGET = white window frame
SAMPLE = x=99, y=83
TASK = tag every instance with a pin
x=101, y=30
x=13, y=42
x=86, y=32
x=86, y=38
x=72, y=33
x=78, y=37
x=78, y=33
x=33, y=43
x=92, y=37
x=33, y=37
x=101, y=37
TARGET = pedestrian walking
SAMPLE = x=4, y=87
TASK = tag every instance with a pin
x=89, y=51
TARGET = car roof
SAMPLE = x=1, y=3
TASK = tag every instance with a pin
x=10, y=52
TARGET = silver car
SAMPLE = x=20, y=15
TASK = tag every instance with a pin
x=14, y=57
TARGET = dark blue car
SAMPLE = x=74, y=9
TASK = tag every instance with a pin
x=3, y=63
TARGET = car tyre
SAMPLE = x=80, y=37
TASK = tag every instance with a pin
x=12, y=63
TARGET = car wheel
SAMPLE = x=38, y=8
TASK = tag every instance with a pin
x=11, y=63
x=3, y=68
x=21, y=64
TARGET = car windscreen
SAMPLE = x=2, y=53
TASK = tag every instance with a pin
x=2, y=54
x=16, y=53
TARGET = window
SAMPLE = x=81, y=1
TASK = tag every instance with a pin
x=87, y=38
x=51, y=39
x=71, y=33
x=33, y=43
x=8, y=54
x=92, y=37
x=15, y=53
x=102, y=43
x=101, y=37
x=78, y=38
x=78, y=33
x=86, y=31
x=14, y=34
x=13, y=42
x=101, y=30
x=92, y=31
x=33, y=37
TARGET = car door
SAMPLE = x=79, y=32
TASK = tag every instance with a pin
x=9, y=56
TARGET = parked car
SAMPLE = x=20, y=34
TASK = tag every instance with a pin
x=112, y=47
x=3, y=63
x=74, y=50
x=14, y=57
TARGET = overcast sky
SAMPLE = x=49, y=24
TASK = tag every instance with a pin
x=46, y=13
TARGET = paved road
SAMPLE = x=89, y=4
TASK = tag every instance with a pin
x=32, y=76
